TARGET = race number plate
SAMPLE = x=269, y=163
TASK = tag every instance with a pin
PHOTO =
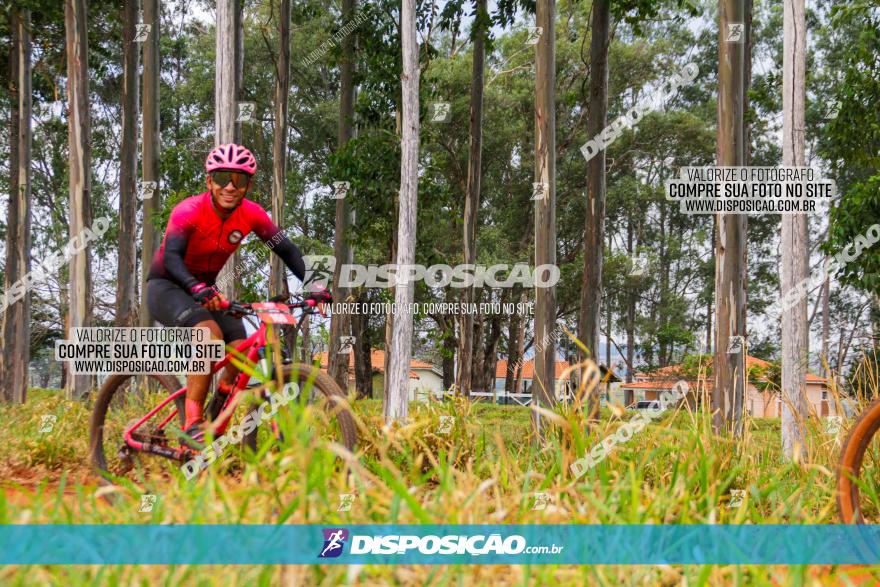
x=272, y=313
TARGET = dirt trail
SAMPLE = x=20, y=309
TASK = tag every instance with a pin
x=20, y=484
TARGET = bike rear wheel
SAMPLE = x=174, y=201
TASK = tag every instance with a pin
x=114, y=410
x=859, y=466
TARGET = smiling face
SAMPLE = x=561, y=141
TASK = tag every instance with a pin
x=228, y=196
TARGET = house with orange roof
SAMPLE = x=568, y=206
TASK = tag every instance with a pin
x=424, y=378
x=762, y=398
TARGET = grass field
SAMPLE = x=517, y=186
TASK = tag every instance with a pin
x=484, y=470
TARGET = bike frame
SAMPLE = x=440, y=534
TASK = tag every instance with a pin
x=250, y=348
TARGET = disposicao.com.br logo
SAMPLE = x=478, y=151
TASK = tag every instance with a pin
x=334, y=542
x=401, y=544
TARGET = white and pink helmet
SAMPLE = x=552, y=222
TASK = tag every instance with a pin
x=233, y=157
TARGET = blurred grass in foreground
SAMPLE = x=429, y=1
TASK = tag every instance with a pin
x=484, y=469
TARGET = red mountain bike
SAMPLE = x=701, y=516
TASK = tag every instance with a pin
x=120, y=433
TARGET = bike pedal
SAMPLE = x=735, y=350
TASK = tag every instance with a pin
x=124, y=453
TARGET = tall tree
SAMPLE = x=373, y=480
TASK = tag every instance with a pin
x=239, y=75
x=472, y=193
x=609, y=327
x=729, y=367
x=594, y=229
x=795, y=241
x=397, y=391
x=360, y=329
x=515, y=337
x=125, y=268
x=15, y=359
x=709, y=300
x=277, y=270
x=826, y=322
x=150, y=155
x=79, y=156
x=226, y=89
x=340, y=324
x=630, y=322
x=543, y=390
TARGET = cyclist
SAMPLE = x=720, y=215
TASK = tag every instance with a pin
x=202, y=233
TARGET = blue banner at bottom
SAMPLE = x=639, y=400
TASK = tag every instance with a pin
x=439, y=544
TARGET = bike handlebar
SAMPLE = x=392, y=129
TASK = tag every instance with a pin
x=232, y=306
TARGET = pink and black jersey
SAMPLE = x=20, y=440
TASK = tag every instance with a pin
x=198, y=241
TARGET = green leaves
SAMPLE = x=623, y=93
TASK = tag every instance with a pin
x=855, y=156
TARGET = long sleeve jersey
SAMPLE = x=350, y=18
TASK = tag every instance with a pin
x=198, y=241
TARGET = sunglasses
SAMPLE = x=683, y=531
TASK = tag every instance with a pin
x=238, y=178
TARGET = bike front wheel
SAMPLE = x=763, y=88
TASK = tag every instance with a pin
x=325, y=394
x=858, y=476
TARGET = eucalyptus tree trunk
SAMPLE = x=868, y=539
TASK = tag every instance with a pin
x=730, y=254
x=128, y=157
x=277, y=270
x=397, y=395
x=709, y=312
x=79, y=157
x=594, y=227
x=389, y=318
x=234, y=261
x=514, y=340
x=226, y=105
x=544, y=393
x=363, y=369
x=608, y=319
x=340, y=324
x=747, y=161
x=238, y=15
x=17, y=315
x=630, y=318
x=150, y=155
x=472, y=196
x=490, y=353
x=826, y=320
x=795, y=241
x=477, y=335
x=64, y=310
x=450, y=345
x=306, y=349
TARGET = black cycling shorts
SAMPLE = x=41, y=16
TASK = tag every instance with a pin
x=171, y=305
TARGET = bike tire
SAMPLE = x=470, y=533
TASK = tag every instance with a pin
x=301, y=373
x=852, y=455
x=113, y=385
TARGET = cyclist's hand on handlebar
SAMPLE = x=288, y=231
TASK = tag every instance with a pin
x=318, y=295
x=215, y=303
x=209, y=297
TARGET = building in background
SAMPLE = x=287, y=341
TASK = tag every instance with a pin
x=424, y=378
x=762, y=395
x=565, y=382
